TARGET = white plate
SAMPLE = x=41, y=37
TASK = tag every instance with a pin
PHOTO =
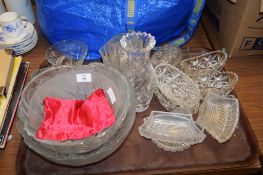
x=27, y=49
x=25, y=43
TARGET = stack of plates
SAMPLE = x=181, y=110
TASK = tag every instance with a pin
x=23, y=43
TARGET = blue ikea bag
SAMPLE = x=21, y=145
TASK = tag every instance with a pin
x=97, y=21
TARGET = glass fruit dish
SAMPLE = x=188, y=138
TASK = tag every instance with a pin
x=61, y=82
x=80, y=159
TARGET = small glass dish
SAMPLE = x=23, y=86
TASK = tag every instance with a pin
x=67, y=52
x=172, y=128
x=175, y=90
x=219, y=116
x=204, y=65
x=221, y=83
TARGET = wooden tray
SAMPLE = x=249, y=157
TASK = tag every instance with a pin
x=140, y=156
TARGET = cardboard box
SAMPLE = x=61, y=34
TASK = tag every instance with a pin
x=239, y=25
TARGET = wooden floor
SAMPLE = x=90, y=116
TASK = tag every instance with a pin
x=249, y=91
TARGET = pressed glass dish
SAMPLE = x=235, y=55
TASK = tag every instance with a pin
x=175, y=90
x=219, y=116
x=176, y=128
x=61, y=82
x=221, y=83
x=205, y=65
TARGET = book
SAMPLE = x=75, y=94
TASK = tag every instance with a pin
x=4, y=100
x=11, y=110
x=6, y=68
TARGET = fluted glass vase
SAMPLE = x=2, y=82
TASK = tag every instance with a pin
x=138, y=69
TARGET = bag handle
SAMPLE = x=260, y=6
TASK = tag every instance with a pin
x=192, y=23
x=130, y=14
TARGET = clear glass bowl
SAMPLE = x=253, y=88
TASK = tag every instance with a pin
x=80, y=159
x=170, y=127
x=60, y=82
x=69, y=52
x=175, y=90
x=221, y=83
x=219, y=116
x=205, y=65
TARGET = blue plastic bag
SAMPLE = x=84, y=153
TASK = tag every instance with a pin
x=97, y=21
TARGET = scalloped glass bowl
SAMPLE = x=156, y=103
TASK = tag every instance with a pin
x=205, y=65
x=61, y=82
x=175, y=90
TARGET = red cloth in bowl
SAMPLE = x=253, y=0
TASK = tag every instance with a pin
x=75, y=119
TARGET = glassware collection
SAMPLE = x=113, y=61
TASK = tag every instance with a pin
x=133, y=70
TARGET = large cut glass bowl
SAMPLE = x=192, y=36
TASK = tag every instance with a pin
x=61, y=82
x=93, y=156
